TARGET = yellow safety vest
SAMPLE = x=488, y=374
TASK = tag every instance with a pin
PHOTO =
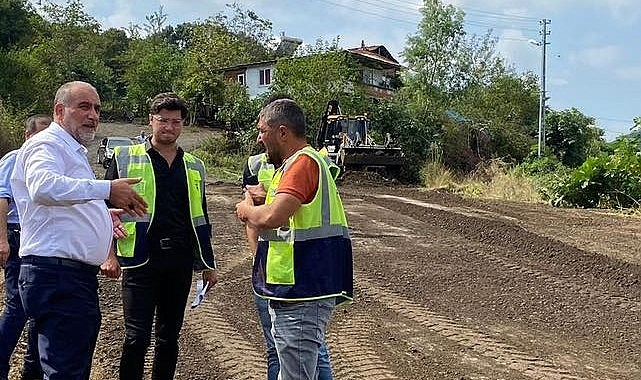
x=133, y=162
x=311, y=257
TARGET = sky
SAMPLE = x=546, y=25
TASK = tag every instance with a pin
x=592, y=63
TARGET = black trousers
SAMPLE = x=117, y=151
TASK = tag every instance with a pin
x=159, y=288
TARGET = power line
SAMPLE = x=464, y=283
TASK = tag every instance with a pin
x=369, y=13
x=501, y=15
x=395, y=5
x=497, y=26
x=501, y=19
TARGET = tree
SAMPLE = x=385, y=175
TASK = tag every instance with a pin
x=572, y=136
x=152, y=66
x=460, y=95
x=15, y=23
x=322, y=72
x=219, y=42
x=66, y=46
x=12, y=127
x=114, y=46
x=431, y=53
x=505, y=110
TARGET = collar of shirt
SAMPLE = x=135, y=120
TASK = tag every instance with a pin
x=58, y=130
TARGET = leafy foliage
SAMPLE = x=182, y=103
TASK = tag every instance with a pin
x=605, y=180
x=547, y=173
x=12, y=127
x=153, y=66
x=572, y=136
x=222, y=41
x=67, y=46
x=313, y=80
x=15, y=24
x=451, y=73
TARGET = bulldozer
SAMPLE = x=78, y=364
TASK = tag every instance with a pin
x=347, y=142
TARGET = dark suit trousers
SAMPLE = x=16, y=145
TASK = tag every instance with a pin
x=62, y=300
x=159, y=288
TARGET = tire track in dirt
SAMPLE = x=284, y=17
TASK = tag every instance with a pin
x=353, y=357
x=466, y=211
x=238, y=357
x=112, y=325
x=481, y=343
x=413, y=229
x=624, y=303
x=510, y=235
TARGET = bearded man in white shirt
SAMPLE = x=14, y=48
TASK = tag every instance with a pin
x=67, y=232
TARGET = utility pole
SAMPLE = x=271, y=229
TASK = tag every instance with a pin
x=542, y=97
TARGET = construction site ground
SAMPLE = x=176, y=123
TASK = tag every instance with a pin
x=445, y=288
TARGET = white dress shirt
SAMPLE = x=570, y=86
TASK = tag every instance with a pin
x=61, y=204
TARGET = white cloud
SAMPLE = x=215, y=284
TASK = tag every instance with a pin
x=121, y=16
x=629, y=73
x=626, y=11
x=513, y=45
x=599, y=57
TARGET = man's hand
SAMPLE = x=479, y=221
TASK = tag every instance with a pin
x=209, y=277
x=123, y=196
x=111, y=267
x=243, y=206
x=257, y=193
x=4, y=252
x=118, y=229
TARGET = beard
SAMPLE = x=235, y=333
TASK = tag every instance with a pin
x=85, y=138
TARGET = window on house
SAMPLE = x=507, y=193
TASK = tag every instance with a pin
x=241, y=78
x=265, y=77
x=368, y=76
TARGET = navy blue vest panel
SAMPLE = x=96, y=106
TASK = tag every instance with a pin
x=322, y=268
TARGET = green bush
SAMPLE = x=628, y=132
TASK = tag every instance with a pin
x=609, y=181
x=11, y=127
x=547, y=174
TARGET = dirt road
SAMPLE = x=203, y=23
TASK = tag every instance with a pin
x=446, y=288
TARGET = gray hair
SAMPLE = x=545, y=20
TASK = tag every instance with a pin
x=64, y=92
x=284, y=112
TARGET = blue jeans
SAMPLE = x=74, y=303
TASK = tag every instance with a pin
x=61, y=296
x=298, y=329
x=13, y=318
x=324, y=365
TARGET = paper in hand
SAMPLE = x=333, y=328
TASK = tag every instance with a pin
x=200, y=293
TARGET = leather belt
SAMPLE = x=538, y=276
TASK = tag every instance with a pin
x=50, y=260
x=172, y=243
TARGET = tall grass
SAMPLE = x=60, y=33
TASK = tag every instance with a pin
x=492, y=180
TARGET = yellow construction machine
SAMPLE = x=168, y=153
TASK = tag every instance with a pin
x=349, y=144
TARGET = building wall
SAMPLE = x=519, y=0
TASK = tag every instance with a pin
x=252, y=80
